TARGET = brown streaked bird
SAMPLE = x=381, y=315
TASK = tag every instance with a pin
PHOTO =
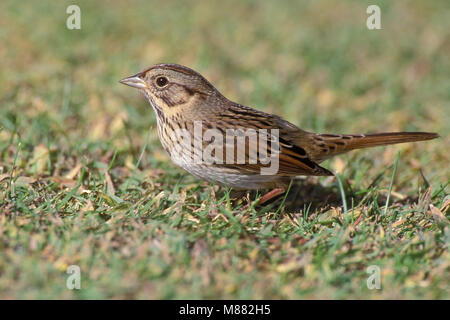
x=180, y=96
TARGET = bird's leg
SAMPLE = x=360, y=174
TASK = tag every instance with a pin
x=271, y=194
x=357, y=220
x=268, y=196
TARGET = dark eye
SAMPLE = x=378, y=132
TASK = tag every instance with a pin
x=161, y=81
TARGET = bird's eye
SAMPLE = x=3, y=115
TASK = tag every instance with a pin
x=161, y=81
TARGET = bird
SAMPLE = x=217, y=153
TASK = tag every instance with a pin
x=187, y=106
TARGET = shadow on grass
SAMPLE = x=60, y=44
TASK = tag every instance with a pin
x=306, y=194
x=313, y=196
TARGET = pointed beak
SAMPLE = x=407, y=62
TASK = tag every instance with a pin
x=134, y=81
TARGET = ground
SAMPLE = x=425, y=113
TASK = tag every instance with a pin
x=84, y=180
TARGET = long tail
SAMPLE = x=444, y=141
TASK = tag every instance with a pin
x=328, y=145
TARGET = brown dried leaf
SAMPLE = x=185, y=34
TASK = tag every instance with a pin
x=437, y=215
x=40, y=158
x=72, y=173
x=109, y=184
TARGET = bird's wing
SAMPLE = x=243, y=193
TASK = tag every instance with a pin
x=293, y=160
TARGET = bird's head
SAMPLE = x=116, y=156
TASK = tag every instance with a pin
x=169, y=86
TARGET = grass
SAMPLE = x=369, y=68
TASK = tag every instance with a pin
x=84, y=180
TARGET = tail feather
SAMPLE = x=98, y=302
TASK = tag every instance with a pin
x=328, y=145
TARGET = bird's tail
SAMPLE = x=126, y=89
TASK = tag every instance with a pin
x=328, y=145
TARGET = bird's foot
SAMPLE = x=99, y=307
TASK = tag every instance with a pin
x=266, y=197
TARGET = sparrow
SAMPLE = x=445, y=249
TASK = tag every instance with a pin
x=188, y=108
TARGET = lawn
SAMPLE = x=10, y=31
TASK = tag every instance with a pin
x=85, y=181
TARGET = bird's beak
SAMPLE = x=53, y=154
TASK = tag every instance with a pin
x=134, y=81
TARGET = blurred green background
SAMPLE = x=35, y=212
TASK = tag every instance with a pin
x=84, y=180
